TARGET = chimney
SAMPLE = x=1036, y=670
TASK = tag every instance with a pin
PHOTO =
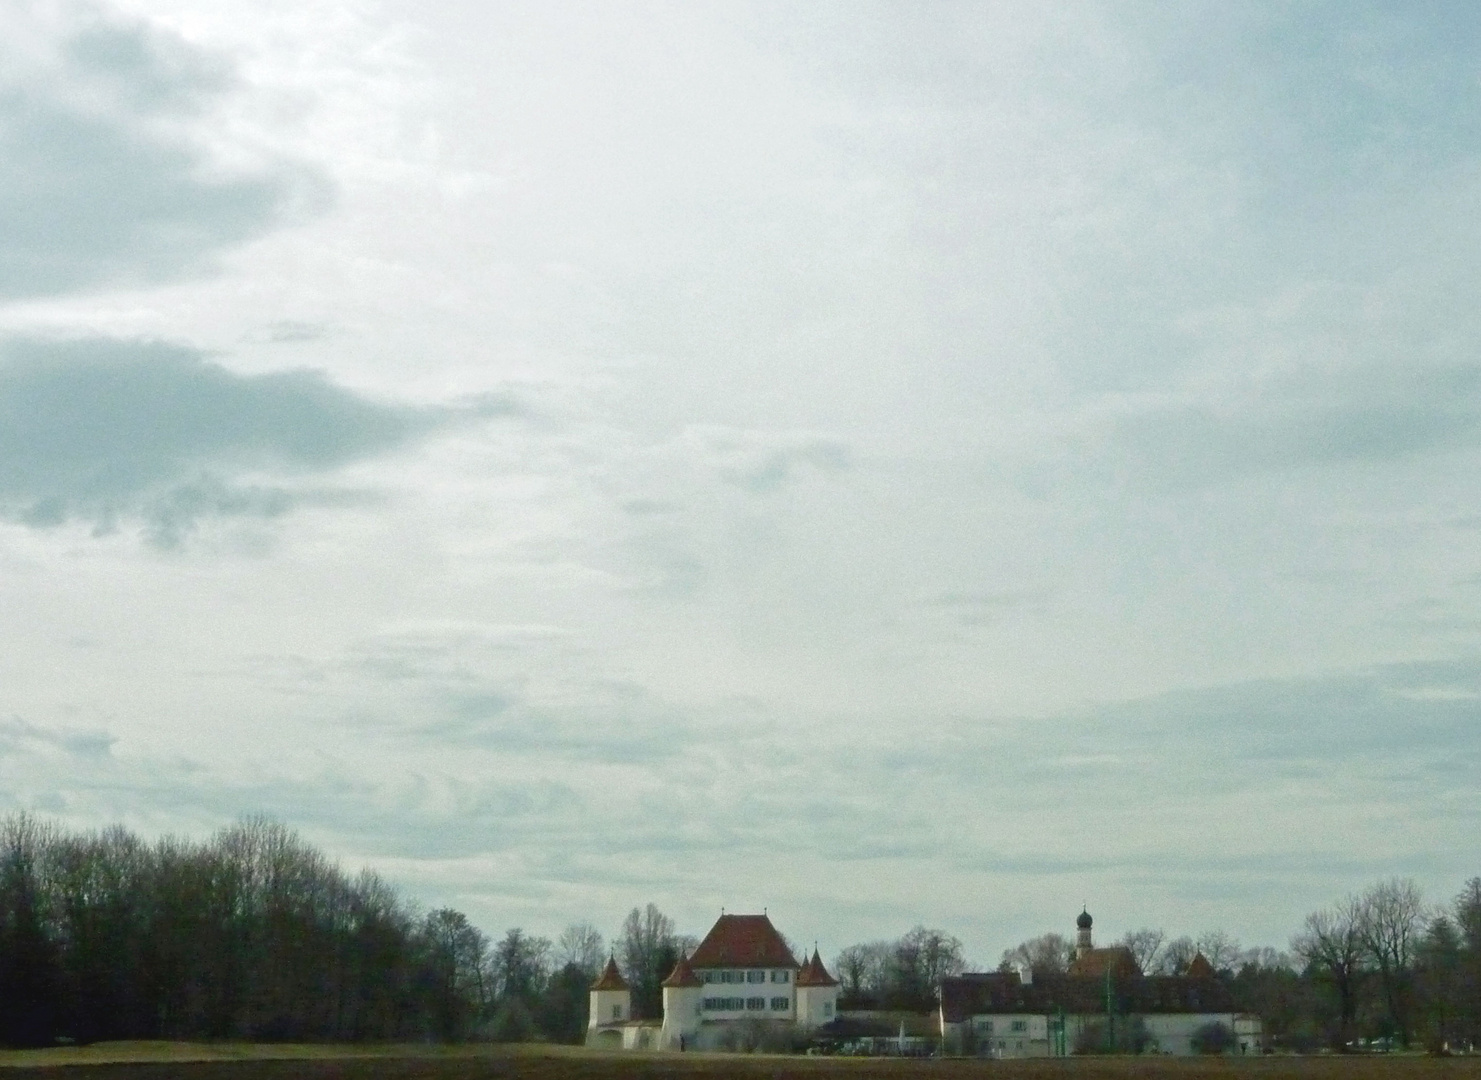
x=1026, y=975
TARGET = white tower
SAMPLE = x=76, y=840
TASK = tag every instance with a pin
x=817, y=994
x=683, y=998
x=611, y=1000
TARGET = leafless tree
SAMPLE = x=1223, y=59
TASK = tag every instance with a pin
x=1047, y=954
x=1219, y=949
x=1331, y=943
x=1391, y=923
x=1176, y=956
x=580, y=945
x=923, y=957
x=1145, y=946
x=648, y=948
x=861, y=969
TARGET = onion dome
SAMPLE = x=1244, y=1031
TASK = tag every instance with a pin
x=1083, y=920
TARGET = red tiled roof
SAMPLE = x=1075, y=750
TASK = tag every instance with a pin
x=1096, y=962
x=683, y=975
x=813, y=973
x=611, y=978
x=742, y=941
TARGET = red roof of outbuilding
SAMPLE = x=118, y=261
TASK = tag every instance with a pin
x=683, y=975
x=742, y=941
x=813, y=973
x=611, y=978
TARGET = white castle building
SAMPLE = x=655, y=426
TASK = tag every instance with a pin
x=742, y=973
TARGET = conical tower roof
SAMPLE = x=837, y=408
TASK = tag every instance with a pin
x=1200, y=968
x=813, y=973
x=683, y=975
x=611, y=978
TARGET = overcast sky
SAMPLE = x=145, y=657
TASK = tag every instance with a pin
x=886, y=463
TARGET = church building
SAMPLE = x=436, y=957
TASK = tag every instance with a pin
x=742, y=974
x=1102, y=1001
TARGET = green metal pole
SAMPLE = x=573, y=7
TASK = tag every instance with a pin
x=1110, y=1017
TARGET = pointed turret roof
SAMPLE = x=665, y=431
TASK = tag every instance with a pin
x=1200, y=968
x=683, y=975
x=611, y=978
x=813, y=973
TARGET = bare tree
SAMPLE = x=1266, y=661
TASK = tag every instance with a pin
x=648, y=949
x=1047, y=954
x=1176, y=956
x=1219, y=949
x=1331, y=944
x=580, y=945
x=923, y=957
x=1390, y=928
x=861, y=969
x=1145, y=946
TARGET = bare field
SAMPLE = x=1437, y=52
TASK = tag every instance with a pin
x=228, y=1061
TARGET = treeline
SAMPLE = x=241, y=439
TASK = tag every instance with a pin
x=252, y=934
x=904, y=974
x=1380, y=968
x=255, y=935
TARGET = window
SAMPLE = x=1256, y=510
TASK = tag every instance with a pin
x=725, y=1004
x=755, y=1003
x=780, y=1004
x=707, y=976
x=616, y=1012
x=755, y=976
x=827, y=1008
x=781, y=976
x=1020, y=1025
x=985, y=1026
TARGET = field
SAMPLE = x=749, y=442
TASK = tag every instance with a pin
x=186, y=1061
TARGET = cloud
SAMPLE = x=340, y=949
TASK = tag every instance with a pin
x=100, y=429
x=107, y=175
x=1309, y=416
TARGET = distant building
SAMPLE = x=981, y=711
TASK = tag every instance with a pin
x=742, y=973
x=1102, y=1000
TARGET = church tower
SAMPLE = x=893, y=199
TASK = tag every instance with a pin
x=1083, y=944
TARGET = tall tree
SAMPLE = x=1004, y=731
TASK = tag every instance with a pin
x=30, y=972
x=580, y=945
x=1438, y=974
x=1219, y=949
x=648, y=948
x=1331, y=946
x=1145, y=946
x=1467, y=916
x=1047, y=954
x=1176, y=956
x=1392, y=919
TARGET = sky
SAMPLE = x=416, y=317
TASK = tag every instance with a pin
x=883, y=463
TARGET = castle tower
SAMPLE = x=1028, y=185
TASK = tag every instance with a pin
x=817, y=994
x=683, y=996
x=1083, y=944
x=611, y=1001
